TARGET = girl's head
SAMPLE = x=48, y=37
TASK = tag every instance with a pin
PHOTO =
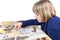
x=44, y=10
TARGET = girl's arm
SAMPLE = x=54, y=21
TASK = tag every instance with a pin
x=26, y=23
x=30, y=22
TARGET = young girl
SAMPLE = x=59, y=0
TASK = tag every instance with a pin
x=46, y=17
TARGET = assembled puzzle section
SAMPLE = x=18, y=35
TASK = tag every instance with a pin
x=33, y=32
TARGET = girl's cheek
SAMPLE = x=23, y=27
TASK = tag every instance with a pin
x=38, y=18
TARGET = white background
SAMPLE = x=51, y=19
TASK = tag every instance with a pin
x=15, y=10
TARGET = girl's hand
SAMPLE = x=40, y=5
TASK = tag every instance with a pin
x=18, y=25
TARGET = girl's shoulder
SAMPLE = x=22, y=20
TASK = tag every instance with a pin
x=54, y=22
x=54, y=19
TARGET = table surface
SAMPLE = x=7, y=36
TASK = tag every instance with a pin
x=39, y=34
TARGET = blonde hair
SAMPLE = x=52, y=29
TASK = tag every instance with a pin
x=45, y=9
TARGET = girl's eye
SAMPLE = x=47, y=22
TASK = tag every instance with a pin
x=37, y=14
